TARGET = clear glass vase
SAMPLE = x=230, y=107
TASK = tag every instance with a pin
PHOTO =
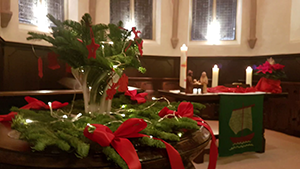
x=94, y=83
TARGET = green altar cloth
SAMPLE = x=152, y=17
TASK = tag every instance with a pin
x=240, y=123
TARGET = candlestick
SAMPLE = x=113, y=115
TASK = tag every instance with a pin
x=249, y=71
x=215, y=76
x=183, y=66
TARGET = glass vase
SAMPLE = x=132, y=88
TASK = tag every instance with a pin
x=94, y=83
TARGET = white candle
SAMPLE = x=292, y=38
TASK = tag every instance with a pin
x=249, y=71
x=195, y=91
x=215, y=76
x=183, y=66
x=199, y=90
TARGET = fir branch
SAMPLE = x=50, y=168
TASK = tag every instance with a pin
x=82, y=149
x=152, y=142
x=113, y=155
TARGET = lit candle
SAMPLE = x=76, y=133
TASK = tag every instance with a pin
x=183, y=66
x=249, y=71
x=50, y=106
x=215, y=76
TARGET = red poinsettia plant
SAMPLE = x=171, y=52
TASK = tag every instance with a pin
x=271, y=70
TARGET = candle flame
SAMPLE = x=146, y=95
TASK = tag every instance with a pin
x=249, y=69
x=184, y=48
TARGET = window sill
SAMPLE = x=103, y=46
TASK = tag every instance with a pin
x=28, y=27
x=220, y=43
x=151, y=42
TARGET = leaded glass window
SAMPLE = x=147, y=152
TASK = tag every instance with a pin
x=204, y=12
x=33, y=11
x=133, y=13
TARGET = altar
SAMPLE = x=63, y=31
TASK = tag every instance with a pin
x=235, y=113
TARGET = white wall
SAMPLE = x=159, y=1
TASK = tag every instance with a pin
x=278, y=28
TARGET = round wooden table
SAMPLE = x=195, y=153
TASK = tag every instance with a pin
x=16, y=154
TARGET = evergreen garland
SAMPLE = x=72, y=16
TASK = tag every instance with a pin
x=53, y=130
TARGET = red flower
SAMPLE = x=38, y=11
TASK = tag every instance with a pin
x=123, y=82
x=264, y=68
x=140, y=98
x=111, y=91
x=277, y=66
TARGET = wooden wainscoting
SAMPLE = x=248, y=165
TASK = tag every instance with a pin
x=283, y=114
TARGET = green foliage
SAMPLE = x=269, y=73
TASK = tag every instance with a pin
x=48, y=129
x=276, y=74
x=66, y=37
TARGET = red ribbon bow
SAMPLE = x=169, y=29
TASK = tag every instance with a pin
x=186, y=109
x=36, y=104
x=129, y=129
x=140, y=98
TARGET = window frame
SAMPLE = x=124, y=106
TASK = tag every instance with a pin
x=214, y=13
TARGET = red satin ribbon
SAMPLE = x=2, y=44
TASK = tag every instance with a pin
x=129, y=129
x=263, y=85
x=268, y=85
x=186, y=109
x=219, y=89
x=140, y=98
x=8, y=117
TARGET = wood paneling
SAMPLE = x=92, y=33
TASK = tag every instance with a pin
x=19, y=68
